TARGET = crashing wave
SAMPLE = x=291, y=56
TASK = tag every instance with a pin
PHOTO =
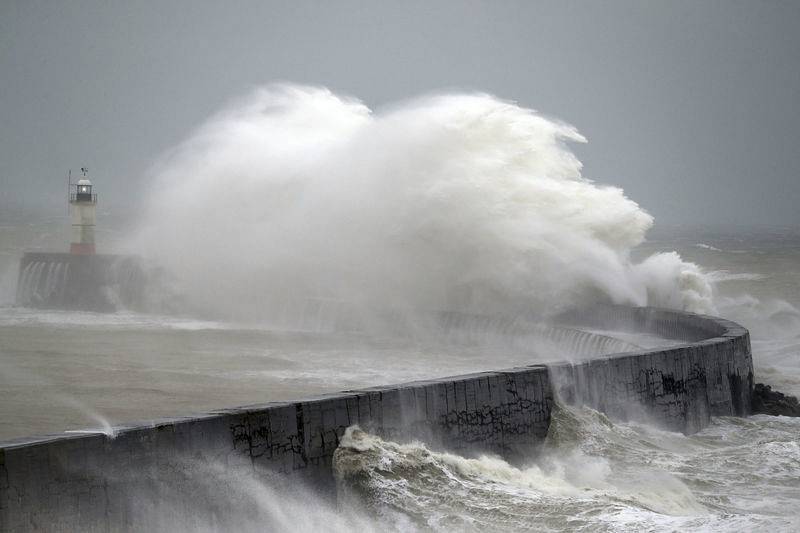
x=450, y=201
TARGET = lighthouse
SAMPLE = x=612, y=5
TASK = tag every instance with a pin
x=81, y=279
x=82, y=202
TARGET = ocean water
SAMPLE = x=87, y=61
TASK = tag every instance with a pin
x=83, y=371
x=592, y=475
x=64, y=370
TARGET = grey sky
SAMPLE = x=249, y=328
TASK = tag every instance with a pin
x=691, y=107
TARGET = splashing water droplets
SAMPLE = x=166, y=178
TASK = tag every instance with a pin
x=452, y=201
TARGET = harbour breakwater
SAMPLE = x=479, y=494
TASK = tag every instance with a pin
x=102, y=282
x=85, y=481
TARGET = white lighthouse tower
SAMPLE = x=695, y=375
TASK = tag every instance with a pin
x=82, y=202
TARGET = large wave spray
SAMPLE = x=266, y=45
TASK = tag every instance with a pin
x=591, y=474
x=450, y=201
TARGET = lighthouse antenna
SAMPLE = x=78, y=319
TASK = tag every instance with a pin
x=69, y=187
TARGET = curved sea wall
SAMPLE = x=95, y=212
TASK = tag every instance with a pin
x=88, y=481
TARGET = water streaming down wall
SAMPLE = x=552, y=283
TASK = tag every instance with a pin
x=42, y=282
x=328, y=315
x=84, y=282
x=85, y=482
x=525, y=333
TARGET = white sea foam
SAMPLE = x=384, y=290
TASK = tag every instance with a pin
x=717, y=276
x=591, y=474
x=123, y=320
x=457, y=201
x=767, y=317
x=708, y=247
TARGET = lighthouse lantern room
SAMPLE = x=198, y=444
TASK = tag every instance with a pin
x=82, y=205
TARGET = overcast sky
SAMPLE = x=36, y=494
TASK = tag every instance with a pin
x=691, y=106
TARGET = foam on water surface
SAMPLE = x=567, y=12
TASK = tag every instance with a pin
x=593, y=475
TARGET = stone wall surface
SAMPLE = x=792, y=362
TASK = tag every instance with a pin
x=86, y=482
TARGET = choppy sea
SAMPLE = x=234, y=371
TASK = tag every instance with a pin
x=69, y=370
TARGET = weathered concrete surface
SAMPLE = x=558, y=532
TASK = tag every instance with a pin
x=679, y=388
x=86, y=482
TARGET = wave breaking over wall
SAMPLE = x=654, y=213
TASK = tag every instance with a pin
x=451, y=201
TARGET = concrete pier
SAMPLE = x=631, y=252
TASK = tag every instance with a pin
x=84, y=482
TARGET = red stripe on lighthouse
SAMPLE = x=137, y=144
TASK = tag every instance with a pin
x=81, y=248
